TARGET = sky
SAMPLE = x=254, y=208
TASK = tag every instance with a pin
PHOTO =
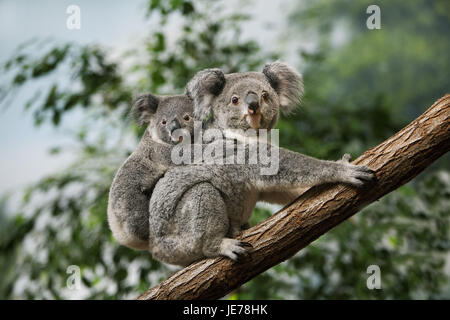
x=25, y=156
x=117, y=24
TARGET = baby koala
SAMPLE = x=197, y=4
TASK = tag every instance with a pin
x=131, y=189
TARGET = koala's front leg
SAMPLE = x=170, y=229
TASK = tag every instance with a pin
x=313, y=171
x=298, y=171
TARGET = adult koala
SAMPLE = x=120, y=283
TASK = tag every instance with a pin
x=195, y=210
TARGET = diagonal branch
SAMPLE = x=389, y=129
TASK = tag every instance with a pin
x=396, y=161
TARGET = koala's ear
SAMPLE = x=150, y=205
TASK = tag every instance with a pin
x=144, y=107
x=202, y=88
x=286, y=82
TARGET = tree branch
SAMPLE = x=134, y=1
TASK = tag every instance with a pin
x=396, y=161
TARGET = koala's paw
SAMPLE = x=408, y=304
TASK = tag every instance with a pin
x=354, y=174
x=234, y=249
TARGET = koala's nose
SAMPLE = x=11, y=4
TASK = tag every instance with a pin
x=252, y=101
x=174, y=125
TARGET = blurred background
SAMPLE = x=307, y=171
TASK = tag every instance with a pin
x=64, y=131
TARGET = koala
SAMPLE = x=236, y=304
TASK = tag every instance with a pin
x=130, y=192
x=196, y=210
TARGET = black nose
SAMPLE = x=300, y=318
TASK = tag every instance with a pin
x=252, y=101
x=174, y=125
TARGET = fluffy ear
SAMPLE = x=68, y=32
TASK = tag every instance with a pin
x=144, y=107
x=286, y=82
x=202, y=88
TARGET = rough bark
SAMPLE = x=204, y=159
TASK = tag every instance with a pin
x=395, y=161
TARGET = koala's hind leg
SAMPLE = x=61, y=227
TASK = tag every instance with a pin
x=211, y=224
x=202, y=226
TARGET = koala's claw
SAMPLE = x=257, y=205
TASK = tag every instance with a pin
x=246, y=244
x=234, y=249
x=360, y=175
x=356, y=175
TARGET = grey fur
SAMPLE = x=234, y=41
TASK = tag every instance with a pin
x=287, y=83
x=195, y=210
x=144, y=107
x=205, y=85
x=132, y=186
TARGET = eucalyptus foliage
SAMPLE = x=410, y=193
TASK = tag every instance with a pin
x=359, y=91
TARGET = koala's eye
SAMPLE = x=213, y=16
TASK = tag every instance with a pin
x=235, y=99
x=186, y=117
x=163, y=122
x=265, y=96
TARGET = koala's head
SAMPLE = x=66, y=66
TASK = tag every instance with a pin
x=164, y=115
x=245, y=100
